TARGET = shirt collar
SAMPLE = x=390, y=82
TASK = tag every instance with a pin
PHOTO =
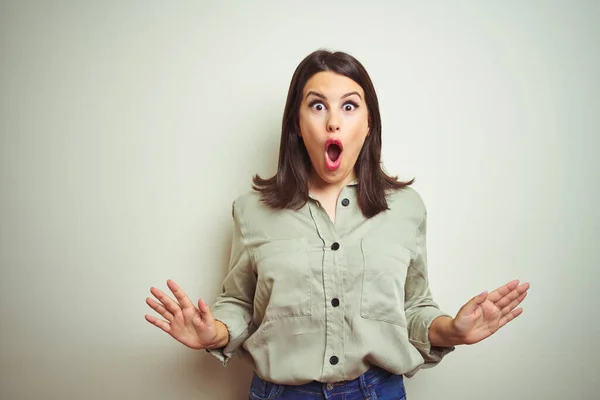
x=352, y=183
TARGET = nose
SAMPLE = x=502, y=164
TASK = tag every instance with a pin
x=333, y=125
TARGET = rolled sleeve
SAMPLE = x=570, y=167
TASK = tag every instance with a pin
x=234, y=306
x=419, y=306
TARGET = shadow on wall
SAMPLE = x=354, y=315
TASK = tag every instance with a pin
x=195, y=372
x=206, y=378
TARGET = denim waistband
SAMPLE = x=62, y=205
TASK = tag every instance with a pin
x=369, y=378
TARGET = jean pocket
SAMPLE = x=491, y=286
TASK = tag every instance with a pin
x=264, y=390
x=384, y=275
x=284, y=279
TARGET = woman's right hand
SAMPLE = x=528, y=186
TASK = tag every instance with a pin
x=194, y=327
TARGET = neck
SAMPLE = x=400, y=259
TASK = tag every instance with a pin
x=319, y=187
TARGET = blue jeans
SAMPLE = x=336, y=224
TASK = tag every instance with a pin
x=375, y=384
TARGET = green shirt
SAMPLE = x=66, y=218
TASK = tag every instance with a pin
x=308, y=299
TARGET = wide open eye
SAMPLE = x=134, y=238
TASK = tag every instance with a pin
x=317, y=106
x=350, y=106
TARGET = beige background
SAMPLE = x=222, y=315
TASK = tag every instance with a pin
x=128, y=128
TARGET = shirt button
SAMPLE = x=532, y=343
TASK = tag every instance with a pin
x=345, y=202
x=335, y=246
x=335, y=302
x=333, y=360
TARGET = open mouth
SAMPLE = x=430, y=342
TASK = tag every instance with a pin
x=333, y=153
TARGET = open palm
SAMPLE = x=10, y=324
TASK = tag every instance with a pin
x=194, y=327
x=484, y=314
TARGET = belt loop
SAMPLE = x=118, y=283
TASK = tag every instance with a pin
x=325, y=389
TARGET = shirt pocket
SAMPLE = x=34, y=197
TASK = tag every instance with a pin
x=284, y=279
x=384, y=274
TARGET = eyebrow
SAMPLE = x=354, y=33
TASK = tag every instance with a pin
x=323, y=97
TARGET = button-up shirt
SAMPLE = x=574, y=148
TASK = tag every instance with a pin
x=307, y=299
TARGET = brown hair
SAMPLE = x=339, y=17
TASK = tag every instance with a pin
x=288, y=188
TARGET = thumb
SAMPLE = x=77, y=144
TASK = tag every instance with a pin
x=205, y=312
x=474, y=303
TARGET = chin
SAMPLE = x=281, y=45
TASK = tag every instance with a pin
x=331, y=177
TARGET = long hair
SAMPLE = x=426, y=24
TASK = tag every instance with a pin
x=288, y=188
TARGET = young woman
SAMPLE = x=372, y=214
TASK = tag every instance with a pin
x=327, y=293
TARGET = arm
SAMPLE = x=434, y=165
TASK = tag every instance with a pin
x=233, y=308
x=424, y=318
x=478, y=319
x=222, y=330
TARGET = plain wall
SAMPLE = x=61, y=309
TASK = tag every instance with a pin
x=128, y=128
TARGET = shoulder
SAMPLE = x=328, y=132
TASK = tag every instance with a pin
x=249, y=205
x=406, y=199
x=249, y=198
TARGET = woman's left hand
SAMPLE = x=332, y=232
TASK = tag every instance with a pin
x=484, y=314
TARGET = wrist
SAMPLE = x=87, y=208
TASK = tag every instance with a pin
x=443, y=332
x=454, y=335
x=221, y=336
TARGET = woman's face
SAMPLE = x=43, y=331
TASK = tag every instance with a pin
x=334, y=123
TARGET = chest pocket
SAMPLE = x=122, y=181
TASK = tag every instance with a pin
x=283, y=279
x=384, y=276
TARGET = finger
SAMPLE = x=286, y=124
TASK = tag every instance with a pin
x=513, y=304
x=474, y=303
x=509, y=317
x=503, y=291
x=512, y=295
x=179, y=294
x=203, y=319
x=164, y=325
x=205, y=312
x=159, y=308
x=170, y=304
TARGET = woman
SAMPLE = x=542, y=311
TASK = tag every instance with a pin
x=327, y=293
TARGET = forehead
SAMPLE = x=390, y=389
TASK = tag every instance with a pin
x=331, y=84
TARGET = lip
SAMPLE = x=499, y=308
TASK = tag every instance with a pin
x=333, y=165
x=335, y=141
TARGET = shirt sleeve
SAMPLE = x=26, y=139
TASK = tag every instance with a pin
x=234, y=306
x=419, y=306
